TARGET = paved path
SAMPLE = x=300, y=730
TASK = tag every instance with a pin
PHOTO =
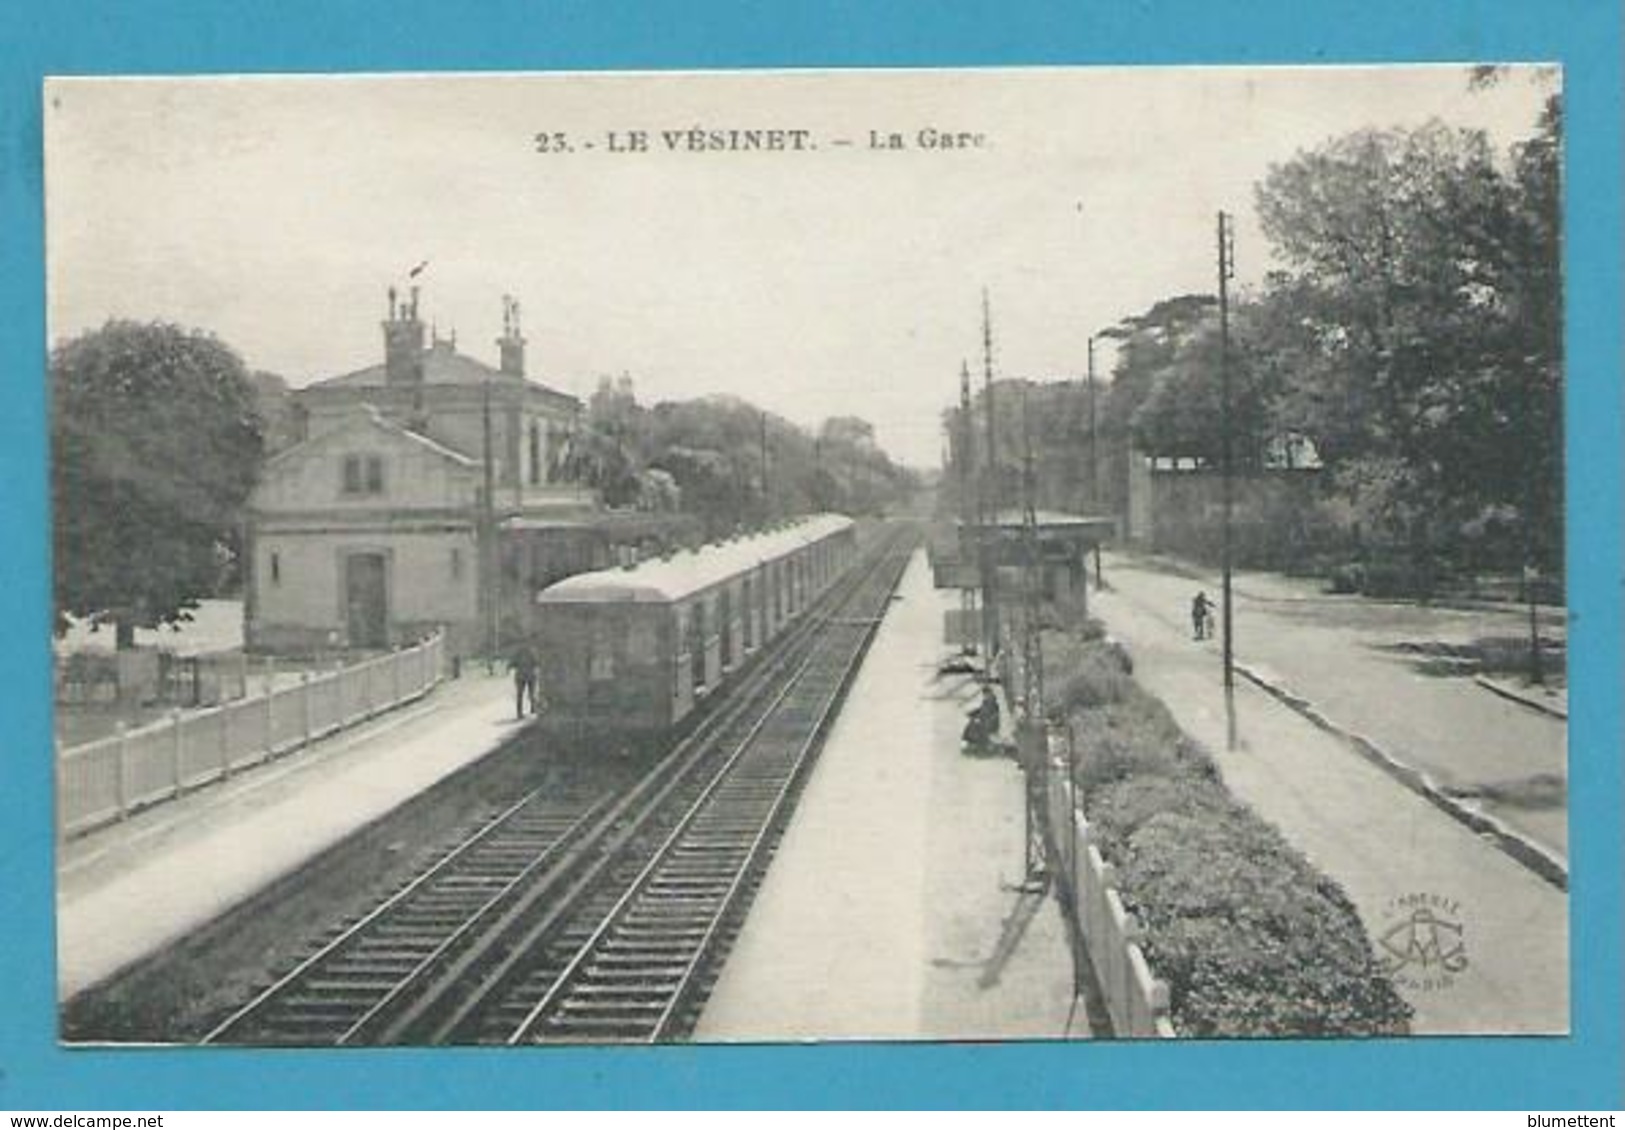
x=1392, y=851
x=889, y=910
x=1339, y=652
x=127, y=890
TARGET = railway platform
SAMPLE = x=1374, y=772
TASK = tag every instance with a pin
x=127, y=890
x=894, y=907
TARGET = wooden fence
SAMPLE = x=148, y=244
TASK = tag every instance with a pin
x=107, y=779
x=1136, y=999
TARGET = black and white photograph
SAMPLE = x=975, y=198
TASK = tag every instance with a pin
x=982, y=554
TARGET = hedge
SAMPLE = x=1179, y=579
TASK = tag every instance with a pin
x=1251, y=938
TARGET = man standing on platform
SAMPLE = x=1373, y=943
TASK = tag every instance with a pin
x=523, y=665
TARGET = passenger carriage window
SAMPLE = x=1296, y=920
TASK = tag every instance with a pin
x=725, y=626
x=696, y=645
x=642, y=642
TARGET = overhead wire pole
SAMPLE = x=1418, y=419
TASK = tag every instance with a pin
x=1031, y=737
x=1227, y=268
x=1094, y=460
x=969, y=509
x=488, y=528
x=990, y=506
x=767, y=504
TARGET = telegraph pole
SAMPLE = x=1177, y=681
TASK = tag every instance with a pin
x=990, y=524
x=969, y=508
x=488, y=529
x=767, y=506
x=1031, y=735
x=1094, y=459
x=1227, y=270
x=1094, y=462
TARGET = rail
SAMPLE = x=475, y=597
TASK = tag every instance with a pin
x=106, y=780
x=460, y=925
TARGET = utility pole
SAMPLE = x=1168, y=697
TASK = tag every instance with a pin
x=488, y=530
x=1031, y=737
x=1094, y=463
x=990, y=522
x=969, y=508
x=1227, y=270
x=1094, y=458
x=767, y=506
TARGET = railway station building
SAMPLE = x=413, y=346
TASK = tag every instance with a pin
x=429, y=491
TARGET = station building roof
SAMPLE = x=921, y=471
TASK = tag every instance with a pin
x=668, y=579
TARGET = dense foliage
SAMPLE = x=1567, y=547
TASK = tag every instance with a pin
x=1251, y=938
x=156, y=442
x=1409, y=345
x=728, y=462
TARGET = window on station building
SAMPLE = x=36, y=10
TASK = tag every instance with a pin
x=535, y=453
x=276, y=567
x=747, y=616
x=363, y=474
x=456, y=563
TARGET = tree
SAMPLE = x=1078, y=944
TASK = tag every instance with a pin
x=1148, y=345
x=156, y=443
x=1182, y=412
x=1418, y=316
x=281, y=418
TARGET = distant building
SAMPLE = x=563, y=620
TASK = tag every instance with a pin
x=429, y=491
x=1281, y=512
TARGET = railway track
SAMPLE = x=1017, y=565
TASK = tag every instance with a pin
x=581, y=916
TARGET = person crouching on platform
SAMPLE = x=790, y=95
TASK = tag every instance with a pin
x=983, y=724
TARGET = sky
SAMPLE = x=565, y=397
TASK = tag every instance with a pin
x=822, y=277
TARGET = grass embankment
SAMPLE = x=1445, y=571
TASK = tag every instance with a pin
x=1250, y=937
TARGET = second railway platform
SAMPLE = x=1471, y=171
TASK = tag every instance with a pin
x=893, y=908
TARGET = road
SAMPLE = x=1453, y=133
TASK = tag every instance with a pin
x=1498, y=933
x=1356, y=661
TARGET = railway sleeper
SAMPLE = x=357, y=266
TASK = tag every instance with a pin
x=599, y=995
x=312, y=1011
x=621, y=1009
x=659, y=947
x=358, y=989
x=639, y=962
x=374, y=965
x=717, y=880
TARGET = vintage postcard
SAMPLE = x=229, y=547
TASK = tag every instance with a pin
x=940, y=555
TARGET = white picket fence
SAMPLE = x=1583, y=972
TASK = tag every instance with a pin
x=107, y=779
x=1136, y=999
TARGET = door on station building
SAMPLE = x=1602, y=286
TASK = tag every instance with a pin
x=366, y=602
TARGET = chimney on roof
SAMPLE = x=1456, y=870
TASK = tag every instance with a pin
x=512, y=342
x=403, y=341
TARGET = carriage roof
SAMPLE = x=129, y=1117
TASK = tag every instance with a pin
x=668, y=579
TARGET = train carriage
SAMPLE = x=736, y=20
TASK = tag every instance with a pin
x=628, y=655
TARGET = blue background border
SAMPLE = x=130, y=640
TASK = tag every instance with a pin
x=171, y=36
